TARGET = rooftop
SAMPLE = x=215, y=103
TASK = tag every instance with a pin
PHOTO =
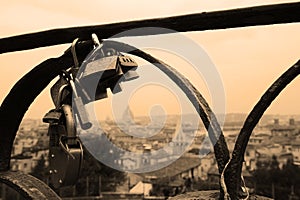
x=181, y=165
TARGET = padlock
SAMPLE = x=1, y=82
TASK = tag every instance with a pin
x=107, y=72
x=98, y=75
x=102, y=68
x=65, y=151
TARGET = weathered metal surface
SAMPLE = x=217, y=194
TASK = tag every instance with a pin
x=252, y=16
x=28, y=186
x=233, y=172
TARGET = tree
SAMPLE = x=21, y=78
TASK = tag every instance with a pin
x=274, y=170
x=270, y=177
x=91, y=171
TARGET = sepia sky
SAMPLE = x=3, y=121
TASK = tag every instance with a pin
x=248, y=59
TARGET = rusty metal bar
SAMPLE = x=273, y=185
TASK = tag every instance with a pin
x=200, y=104
x=243, y=17
x=233, y=172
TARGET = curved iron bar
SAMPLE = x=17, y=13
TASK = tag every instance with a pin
x=233, y=172
x=200, y=104
x=31, y=85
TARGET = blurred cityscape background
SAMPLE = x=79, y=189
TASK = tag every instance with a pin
x=271, y=166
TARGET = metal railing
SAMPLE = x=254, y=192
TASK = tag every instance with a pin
x=29, y=86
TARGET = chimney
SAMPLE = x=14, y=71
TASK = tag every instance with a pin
x=276, y=121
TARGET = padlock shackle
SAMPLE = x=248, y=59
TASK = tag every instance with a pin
x=65, y=150
x=59, y=96
x=73, y=50
x=69, y=119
